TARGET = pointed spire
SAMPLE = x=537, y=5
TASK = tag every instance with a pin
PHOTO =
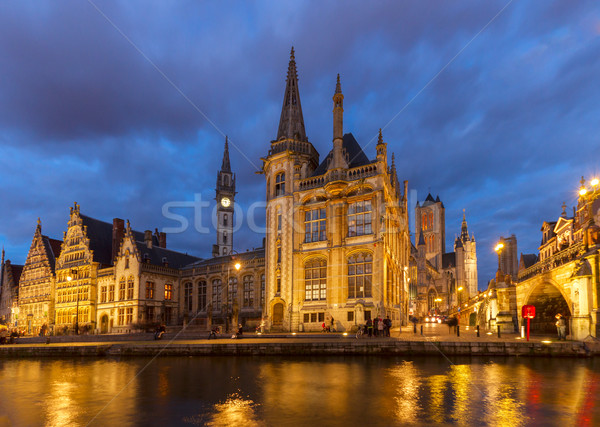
x=39, y=224
x=291, y=123
x=338, y=86
x=380, y=137
x=226, y=166
x=464, y=232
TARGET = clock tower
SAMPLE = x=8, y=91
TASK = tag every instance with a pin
x=225, y=192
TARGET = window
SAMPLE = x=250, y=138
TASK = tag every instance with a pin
x=103, y=294
x=224, y=237
x=168, y=291
x=315, y=280
x=232, y=290
x=150, y=313
x=315, y=225
x=248, y=291
x=224, y=251
x=367, y=315
x=278, y=220
x=424, y=221
x=278, y=252
x=111, y=292
x=350, y=316
x=278, y=285
x=126, y=262
x=202, y=296
x=129, y=316
x=360, y=269
x=314, y=317
x=122, y=290
x=121, y=318
x=280, y=184
x=130, y=288
x=225, y=220
x=187, y=296
x=262, y=289
x=359, y=218
x=216, y=294
x=149, y=290
x=430, y=221
x=306, y=317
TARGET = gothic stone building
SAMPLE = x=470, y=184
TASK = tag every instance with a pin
x=443, y=279
x=9, y=291
x=337, y=243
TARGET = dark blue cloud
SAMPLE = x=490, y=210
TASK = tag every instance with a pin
x=504, y=131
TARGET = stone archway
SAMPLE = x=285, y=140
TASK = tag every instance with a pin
x=104, y=324
x=548, y=302
x=278, y=315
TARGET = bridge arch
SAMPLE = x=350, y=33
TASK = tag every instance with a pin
x=549, y=299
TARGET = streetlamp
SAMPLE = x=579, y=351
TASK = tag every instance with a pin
x=498, y=250
x=229, y=307
x=72, y=274
x=459, y=289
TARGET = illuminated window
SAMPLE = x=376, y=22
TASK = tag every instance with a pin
x=187, y=296
x=359, y=218
x=315, y=280
x=149, y=290
x=216, y=294
x=201, y=296
x=430, y=220
x=129, y=316
x=168, y=291
x=121, y=318
x=424, y=222
x=111, y=292
x=360, y=271
x=315, y=225
x=130, y=288
x=280, y=184
x=232, y=290
x=122, y=290
x=103, y=294
x=248, y=291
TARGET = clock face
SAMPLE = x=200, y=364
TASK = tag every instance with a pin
x=225, y=202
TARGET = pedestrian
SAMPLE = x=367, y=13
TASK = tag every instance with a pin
x=388, y=326
x=380, y=327
x=561, y=327
x=370, y=327
x=332, y=324
x=375, y=326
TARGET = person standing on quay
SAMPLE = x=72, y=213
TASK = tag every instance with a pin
x=561, y=327
x=380, y=327
x=375, y=326
x=370, y=327
x=388, y=326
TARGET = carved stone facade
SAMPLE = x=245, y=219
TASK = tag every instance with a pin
x=337, y=243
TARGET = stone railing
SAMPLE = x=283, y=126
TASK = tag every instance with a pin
x=339, y=175
x=296, y=146
x=556, y=260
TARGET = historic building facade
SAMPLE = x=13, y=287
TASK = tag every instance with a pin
x=443, y=279
x=9, y=291
x=337, y=243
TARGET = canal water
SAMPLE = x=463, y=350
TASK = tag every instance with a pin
x=266, y=391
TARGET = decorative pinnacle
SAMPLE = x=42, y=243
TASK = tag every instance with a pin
x=393, y=160
x=292, y=58
x=338, y=85
x=464, y=215
x=380, y=138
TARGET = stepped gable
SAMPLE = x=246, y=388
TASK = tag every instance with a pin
x=356, y=155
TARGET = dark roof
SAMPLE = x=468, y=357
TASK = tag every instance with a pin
x=356, y=156
x=53, y=248
x=527, y=260
x=421, y=238
x=155, y=255
x=429, y=200
x=413, y=250
x=448, y=260
x=244, y=256
x=100, y=235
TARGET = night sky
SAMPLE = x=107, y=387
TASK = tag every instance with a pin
x=123, y=107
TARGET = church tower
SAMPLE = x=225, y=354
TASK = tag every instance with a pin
x=290, y=159
x=225, y=192
x=465, y=248
x=430, y=218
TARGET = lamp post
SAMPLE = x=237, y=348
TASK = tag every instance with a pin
x=70, y=277
x=459, y=296
x=228, y=306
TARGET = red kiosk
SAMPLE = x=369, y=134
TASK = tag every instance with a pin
x=528, y=312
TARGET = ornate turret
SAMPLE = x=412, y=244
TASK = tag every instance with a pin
x=225, y=194
x=464, y=232
x=226, y=166
x=291, y=123
x=338, y=160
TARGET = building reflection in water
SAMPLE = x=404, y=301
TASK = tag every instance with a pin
x=405, y=403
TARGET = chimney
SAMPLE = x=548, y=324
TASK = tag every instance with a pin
x=148, y=238
x=118, y=232
x=161, y=238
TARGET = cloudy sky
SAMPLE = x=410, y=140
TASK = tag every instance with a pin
x=123, y=106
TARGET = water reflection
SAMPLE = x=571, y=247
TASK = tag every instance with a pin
x=326, y=391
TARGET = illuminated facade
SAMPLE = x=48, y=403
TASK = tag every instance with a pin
x=337, y=243
x=9, y=292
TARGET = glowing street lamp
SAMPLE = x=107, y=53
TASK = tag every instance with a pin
x=498, y=250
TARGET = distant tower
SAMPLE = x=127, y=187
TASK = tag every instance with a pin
x=430, y=218
x=465, y=248
x=225, y=201
x=509, y=264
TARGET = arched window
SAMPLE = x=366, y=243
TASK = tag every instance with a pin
x=224, y=237
x=225, y=218
x=430, y=216
x=130, y=288
x=187, y=296
x=216, y=294
x=360, y=275
x=122, y=289
x=225, y=180
x=280, y=184
x=424, y=222
x=248, y=291
x=232, y=290
x=431, y=296
x=315, y=280
x=202, y=296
